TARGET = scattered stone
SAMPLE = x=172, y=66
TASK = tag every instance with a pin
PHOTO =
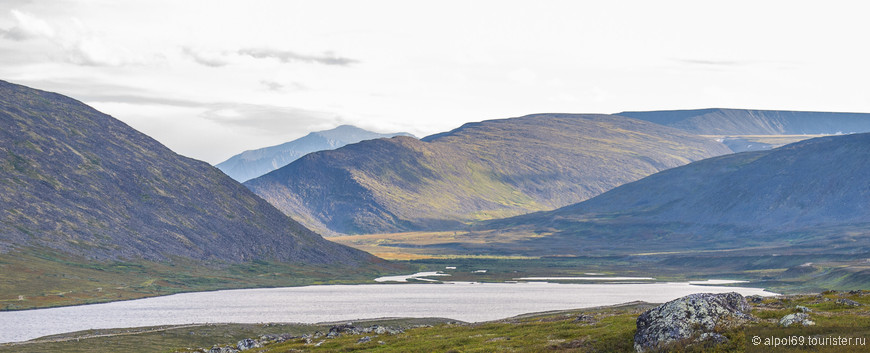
x=495, y=339
x=319, y=343
x=365, y=339
x=584, y=318
x=270, y=338
x=688, y=318
x=848, y=302
x=796, y=319
x=217, y=349
x=755, y=299
x=803, y=309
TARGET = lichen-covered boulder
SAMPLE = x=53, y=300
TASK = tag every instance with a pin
x=796, y=319
x=692, y=318
x=247, y=344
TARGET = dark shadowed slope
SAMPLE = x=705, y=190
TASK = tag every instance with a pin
x=805, y=195
x=83, y=183
x=718, y=121
x=251, y=164
x=484, y=170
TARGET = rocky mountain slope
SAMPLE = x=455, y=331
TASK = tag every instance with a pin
x=251, y=164
x=807, y=195
x=79, y=182
x=483, y=170
x=718, y=121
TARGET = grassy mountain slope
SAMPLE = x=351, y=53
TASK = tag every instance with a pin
x=251, y=164
x=484, y=170
x=809, y=196
x=718, y=121
x=84, y=184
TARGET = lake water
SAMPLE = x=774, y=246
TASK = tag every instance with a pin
x=472, y=302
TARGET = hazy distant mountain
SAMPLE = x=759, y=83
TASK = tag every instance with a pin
x=80, y=182
x=801, y=195
x=483, y=170
x=251, y=164
x=718, y=121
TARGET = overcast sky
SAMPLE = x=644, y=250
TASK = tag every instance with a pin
x=210, y=79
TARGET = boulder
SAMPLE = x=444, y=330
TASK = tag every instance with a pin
x=796, y=319
x=693, y=318
x=248, y=343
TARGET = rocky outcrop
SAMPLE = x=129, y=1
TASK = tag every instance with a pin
x=802, y=319
x=693, y=318
x=848, y=302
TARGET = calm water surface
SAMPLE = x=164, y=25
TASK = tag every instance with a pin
x=471, y=302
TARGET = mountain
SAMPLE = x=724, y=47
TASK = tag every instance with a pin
x=251, y=164
x=78, y=182
x=807, y=195
x=719, y=121
x=483, y=170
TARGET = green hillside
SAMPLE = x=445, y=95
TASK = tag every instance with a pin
x=88, y=202
x=485, y=170
x=807, y=197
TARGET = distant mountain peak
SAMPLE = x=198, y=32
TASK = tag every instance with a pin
x=254, y=163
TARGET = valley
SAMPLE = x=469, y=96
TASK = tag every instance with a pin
x=575, y=199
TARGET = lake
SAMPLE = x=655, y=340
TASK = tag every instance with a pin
x=465, y=301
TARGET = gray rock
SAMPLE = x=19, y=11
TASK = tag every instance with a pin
x=348, y=328
x=584, y=318
x=755, y=299
x=689, y=318
x=796, y=319
x=364, y=340
x=217, y=349
x=848, y=302
x=247, y=344
x=803, y=309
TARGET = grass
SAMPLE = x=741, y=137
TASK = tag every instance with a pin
x=38, y=280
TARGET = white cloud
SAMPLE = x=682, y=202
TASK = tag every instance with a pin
x=27, y=27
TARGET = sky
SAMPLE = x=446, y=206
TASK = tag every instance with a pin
x=210, y=79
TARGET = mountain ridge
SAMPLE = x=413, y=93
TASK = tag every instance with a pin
x=480, y=170
x=803, y=196
x=728, y=121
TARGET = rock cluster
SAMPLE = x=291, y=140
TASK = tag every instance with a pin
x=693, y=318
x=315, y=339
